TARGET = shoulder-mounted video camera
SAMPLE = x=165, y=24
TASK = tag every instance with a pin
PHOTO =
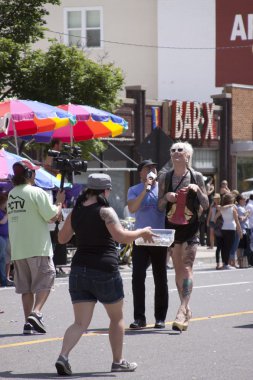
x=69, y=160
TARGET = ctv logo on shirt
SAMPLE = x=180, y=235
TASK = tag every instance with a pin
x=16, y=204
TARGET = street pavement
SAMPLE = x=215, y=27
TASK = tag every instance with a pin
x=217, y=344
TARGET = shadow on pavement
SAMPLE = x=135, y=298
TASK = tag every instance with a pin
x=10, y=375
x=244, y=326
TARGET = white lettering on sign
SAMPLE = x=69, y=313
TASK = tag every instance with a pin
x=208, y=108
x=250, y=27
x=193, y=120
x=187, y=122
x=196, y=120
x=239, y=30
x=179, y=119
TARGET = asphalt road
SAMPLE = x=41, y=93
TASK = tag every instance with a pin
x=217, y=345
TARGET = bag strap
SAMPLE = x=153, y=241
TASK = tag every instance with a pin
x=168, y=179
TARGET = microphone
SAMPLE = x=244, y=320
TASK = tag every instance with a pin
x=152, y=176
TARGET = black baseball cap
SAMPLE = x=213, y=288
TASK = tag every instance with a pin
x=145, y=163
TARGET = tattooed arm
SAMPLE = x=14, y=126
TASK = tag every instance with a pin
x=200, y=189
x=116, y=230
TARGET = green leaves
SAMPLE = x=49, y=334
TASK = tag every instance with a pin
x=60, y=75
x=23, y=21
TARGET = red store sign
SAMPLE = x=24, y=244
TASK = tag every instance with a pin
x=193, y=121
x=234, y=41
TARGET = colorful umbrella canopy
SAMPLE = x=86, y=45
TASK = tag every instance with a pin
x=42, y=179
x=28, y=117
x=90, y=123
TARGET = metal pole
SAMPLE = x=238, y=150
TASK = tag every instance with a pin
x=123, y=154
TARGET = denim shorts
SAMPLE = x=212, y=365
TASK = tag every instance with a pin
x=92, y=285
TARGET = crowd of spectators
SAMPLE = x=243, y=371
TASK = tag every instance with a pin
x=227, y=226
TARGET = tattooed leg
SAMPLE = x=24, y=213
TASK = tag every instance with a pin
x=189, y=255
x=183, y=259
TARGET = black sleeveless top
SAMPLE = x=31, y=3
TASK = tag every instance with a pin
x=95, y=247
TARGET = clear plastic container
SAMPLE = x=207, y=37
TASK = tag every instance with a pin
x=164, y=239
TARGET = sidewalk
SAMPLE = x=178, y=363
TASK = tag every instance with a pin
x=205, y=256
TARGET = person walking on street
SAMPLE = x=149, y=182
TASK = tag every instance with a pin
x=29, y=211
x=95, y=272
x=210, y=219
x=230, y=226
x=142, y=200
x=181, y=193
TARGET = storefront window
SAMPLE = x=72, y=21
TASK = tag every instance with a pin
x=244, y=171
x=205, y=160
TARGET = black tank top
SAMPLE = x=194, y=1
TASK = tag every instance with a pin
x=95, y=247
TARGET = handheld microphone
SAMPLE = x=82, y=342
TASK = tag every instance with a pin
x=152, y=176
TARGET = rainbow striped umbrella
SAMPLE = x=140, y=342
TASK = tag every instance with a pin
x=90, y=123
x=28, y=117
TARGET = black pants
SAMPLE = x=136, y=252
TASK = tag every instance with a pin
x=218, y=248
x=142, y=256
x=228, y=237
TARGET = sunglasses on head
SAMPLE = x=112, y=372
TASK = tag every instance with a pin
x=174, y=150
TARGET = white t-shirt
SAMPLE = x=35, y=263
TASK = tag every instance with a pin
x=249, y=207
x=29, y=210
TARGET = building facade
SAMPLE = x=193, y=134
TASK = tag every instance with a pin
x=179, y=54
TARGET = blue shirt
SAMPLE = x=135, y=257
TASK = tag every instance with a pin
x=3, y=227
x=148, y=213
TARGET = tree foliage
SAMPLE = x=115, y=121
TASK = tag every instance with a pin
x=23, y=21
x=64, y=74
x=57, y=76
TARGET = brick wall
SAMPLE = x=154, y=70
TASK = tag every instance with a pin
x=242, y=113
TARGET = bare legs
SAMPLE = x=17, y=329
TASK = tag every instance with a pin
x=183, y=256
x=34, y=302
x=116, y=330
x=83, y=313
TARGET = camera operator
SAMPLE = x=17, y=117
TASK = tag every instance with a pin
x=66, y=161
x=143, y=201
x=56, y=145
x=60, y=250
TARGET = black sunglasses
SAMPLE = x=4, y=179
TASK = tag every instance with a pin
x=174, y=150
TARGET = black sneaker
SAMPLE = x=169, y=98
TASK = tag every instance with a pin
x=63, y=367
x=28, y=329
x=9, y=283
x=124, y=366
x=36, y=320
x=159, y=324
x=138, y=324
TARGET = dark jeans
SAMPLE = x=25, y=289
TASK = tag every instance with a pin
x=142, y=256
x=218, y=248
x=228, y=237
